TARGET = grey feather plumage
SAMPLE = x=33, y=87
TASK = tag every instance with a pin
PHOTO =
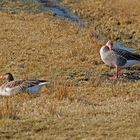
x=14, y=87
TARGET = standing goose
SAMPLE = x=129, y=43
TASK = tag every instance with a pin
x=118, y=58
x=13, y=87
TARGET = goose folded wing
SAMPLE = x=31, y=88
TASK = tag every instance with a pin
x=20, y=85
x=127, y=54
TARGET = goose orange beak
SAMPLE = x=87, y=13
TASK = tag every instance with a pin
x=1, y=76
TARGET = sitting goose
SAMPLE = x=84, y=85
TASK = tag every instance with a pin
x=13, y=87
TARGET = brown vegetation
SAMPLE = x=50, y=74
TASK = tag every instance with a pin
x=80, y=102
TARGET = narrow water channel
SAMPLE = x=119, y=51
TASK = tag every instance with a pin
x=60, y=11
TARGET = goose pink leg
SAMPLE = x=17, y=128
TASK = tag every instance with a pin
x=116, y=76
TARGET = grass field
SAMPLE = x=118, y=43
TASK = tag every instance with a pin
x=80, y=103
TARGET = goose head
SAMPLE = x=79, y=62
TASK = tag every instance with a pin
x=7, y=76
x=110, y=44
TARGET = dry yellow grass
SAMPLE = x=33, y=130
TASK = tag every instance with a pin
x=112, y=19
x=80, y=102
